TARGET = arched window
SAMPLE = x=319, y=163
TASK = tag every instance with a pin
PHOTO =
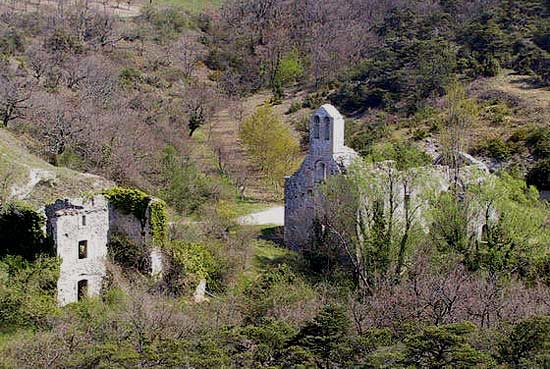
x=82, y=289
x=320, y=171
x=316, y=128
x=327, y=128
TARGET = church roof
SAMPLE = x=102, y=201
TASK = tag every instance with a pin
x=329, y=110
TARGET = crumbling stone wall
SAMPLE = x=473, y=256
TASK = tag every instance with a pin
x=81, y=230
x=419, y=186
x=71, y=223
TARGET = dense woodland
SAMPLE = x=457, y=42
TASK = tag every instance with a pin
x=146, y=98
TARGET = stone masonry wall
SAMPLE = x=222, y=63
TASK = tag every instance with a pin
x=78, y=225
x=69, y=223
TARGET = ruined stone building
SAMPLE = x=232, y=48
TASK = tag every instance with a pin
x=81, y=230
x=329, y=156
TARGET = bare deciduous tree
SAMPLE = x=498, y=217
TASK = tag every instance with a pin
x=187, y=51
x=38, y=61
x=199, y=104
x=14, y=98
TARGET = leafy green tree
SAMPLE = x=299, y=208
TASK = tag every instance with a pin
x=183, y=185
x=513, y=241
x=444, y=347
x=271, y=144
x=405, y=155
x=288, y=71
x=326, y=336
x=528, y=346
x=451, y=225
x=270, y=339
x=370, y=216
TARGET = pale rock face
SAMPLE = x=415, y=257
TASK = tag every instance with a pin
x=156, y=262
x=327, y=156
x=200, y=292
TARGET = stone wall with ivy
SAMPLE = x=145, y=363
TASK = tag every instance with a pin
x=142, y=218
x=124, y=224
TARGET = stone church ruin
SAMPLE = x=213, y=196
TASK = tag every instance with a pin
x=328, y=156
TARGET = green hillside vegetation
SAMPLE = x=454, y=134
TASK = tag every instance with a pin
x=206, y=105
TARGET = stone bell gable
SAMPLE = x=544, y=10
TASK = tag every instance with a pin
x=327, y=156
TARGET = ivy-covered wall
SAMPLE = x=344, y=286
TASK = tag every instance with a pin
x=151, y=212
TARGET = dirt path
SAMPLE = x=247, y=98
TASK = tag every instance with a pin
x=274, y=216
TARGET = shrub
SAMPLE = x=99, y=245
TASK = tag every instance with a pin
x=496, y=148
x=539, y=142
x=130, y=77
x=21, y=232
x=528, y=345
x=361, y=136
x=539, y=175
x=314, y=100
x=63, y=41
x=294, y=107
x=184, y=186
x=497, y=113
x=27, y=291
x=193, y=262
x=490, y=67
x=11, y=41
x=445, y=346
x=168, y=21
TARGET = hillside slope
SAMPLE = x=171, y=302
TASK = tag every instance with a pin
x=23, y=176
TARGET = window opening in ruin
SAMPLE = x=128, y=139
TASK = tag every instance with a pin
x=484, y=233
x=84, y=220
x=82, y=288
x=316, y=122
x=320, y=172
x=82, y=249
x=327, y=128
